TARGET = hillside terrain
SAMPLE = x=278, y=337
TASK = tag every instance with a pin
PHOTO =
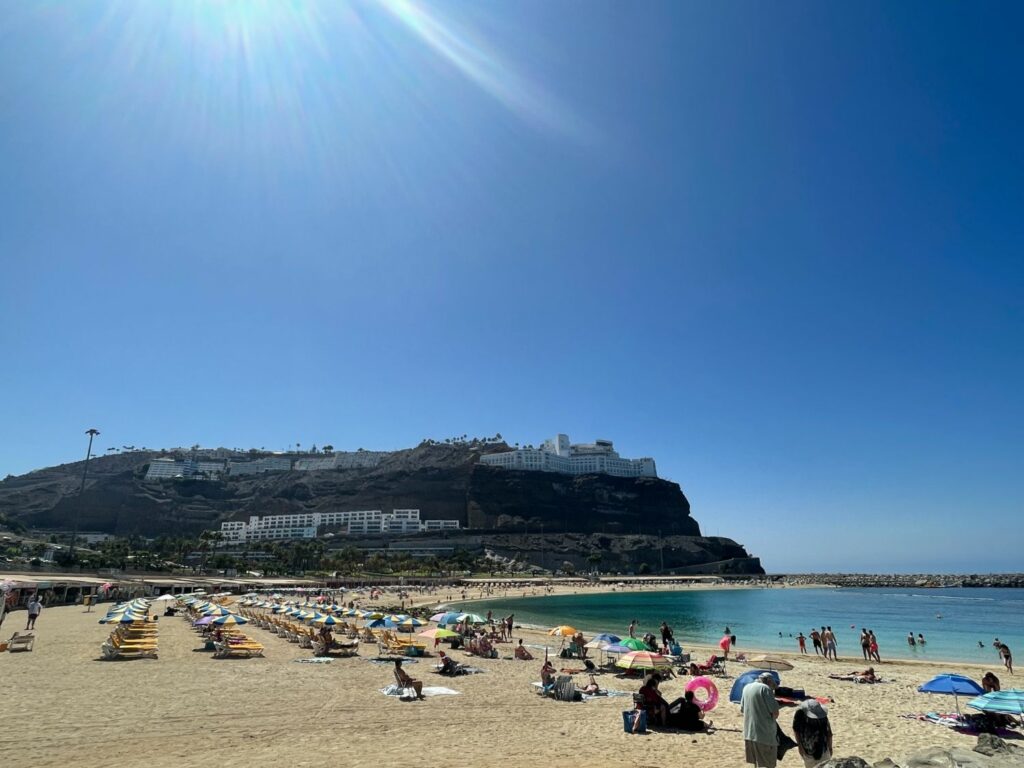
x=499, y=508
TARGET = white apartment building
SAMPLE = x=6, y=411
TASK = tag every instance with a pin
x=258, y=466
x=305, y=525
x=557, y=454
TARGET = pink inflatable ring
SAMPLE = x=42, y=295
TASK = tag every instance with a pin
x=709, y=700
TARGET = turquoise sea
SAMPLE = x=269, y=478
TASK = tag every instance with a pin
x=758, y=616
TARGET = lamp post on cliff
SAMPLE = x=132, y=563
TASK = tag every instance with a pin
x=78, y=507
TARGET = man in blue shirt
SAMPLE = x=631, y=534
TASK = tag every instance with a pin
x=760, y=711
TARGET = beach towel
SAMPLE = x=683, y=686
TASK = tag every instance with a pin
x=384, y=660
x=428, y=690
x=312, y=661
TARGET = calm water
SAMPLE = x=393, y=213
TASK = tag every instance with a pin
x=757, y=616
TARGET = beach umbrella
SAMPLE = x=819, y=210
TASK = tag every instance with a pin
x=217, y=611
x=409, y=623
x=373, y=615
x=439, y=616
x=472, y=618
x=203, y=621
x=436, y=633
x=746, y=679
x=327, y=621
x=165, y=599
x=230, y=620
x=450, y=617
x=617, y=648
x=602, y=640
x=563, y=631
x=634, y=644
x=1009, y=702
x=380, y=624
x=771, y=662
x=952, y=685
x=643, y=660
x=124, y=618
x=397, y=617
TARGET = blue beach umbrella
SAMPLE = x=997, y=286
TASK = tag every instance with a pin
x=746, y=679
x=1009, y=702
x=605, y=638
x=952, y=685
x=449, y=618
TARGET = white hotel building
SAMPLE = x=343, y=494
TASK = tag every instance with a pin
x=558, y=455
x=305, y=525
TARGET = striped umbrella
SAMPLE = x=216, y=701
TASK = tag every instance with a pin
x=408, y=624
x=472, y=618
x=328, y=621
x=373, y=615
x=123, y=618
x=230, y=620
x=218, y=611
x=1009, y=702
x=643, y=660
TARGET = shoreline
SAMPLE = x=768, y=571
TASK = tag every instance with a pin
x=562, y=590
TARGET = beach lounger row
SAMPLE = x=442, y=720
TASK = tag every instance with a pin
x=135, y=640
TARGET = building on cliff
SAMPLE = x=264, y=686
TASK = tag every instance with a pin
x=559, y=455
x=307, y=524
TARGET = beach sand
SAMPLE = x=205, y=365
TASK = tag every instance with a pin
x=63, y=707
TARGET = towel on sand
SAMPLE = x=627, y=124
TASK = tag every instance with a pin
x=428, y=690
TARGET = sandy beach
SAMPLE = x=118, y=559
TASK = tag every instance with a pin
x=65, y=707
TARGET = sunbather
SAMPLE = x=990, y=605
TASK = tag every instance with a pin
x=403, y=679
x=522, y=653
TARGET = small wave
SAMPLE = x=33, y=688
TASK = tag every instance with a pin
x=943, y=597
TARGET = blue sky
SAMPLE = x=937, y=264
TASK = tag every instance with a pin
x=777, y=246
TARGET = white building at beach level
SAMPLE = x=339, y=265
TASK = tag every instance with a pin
x=305, y=525
x=559, y=455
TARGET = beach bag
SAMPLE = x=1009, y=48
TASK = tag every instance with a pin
x=630, y=716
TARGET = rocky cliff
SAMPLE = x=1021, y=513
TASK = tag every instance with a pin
x=443, y=481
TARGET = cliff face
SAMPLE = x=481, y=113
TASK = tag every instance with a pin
x=442, y=481
x=513, y=500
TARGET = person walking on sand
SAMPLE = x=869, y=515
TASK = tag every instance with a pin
x=1006, y=656
x=873, y=647
x=34, y=609
x=632, y=628
x=829, y=639
x=816, y=641
x=803, y=642
x=760, y=712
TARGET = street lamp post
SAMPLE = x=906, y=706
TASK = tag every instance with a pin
x=78, y=507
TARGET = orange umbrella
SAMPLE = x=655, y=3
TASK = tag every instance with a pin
x=563, y=631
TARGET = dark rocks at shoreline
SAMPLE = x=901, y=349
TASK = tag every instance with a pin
x=905, y=581
x=990, y=752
